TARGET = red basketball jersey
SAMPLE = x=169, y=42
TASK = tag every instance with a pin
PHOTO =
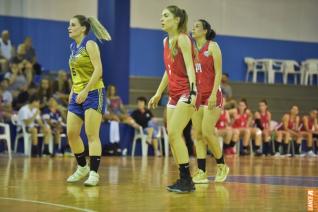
x=223, y=121
x=241, y=120
x=205, y=70
x=178, y=82
x=265, y=120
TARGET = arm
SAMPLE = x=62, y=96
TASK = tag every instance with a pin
x=153, y=102
x=285, y=122
x=186, y=49
x=94, y=55
x=215, y=51
x=305, y=121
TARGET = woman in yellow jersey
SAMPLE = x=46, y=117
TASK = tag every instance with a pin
x=87, y=102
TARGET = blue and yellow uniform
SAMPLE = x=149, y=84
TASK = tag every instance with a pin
x=82, y=70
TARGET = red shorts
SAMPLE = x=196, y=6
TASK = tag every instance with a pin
x=219, y=99
x=173, y=101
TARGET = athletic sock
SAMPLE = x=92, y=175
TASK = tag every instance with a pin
x=94, y=163
x=184, y=171
x=80, y=158
x=277, y=145
x=220, y=160
x=201, y=164
x=285, y=148
x=232, y=143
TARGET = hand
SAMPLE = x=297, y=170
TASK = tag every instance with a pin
x=212, y=102
x=153, y=102
x=81, y=97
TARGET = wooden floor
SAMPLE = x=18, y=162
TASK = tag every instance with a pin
x=136, y=184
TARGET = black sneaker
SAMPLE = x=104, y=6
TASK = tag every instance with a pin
x=182, y=186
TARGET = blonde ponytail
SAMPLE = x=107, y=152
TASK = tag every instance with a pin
x=98, y=29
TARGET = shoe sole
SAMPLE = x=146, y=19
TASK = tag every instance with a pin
x=90, y=185
x=223, y=179
x=206, y=181
x=179, y=191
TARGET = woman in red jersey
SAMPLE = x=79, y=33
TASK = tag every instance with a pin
x=289, y=128
x=241, y=124
x=208, y=73
x=308, y=129
x=181, y=81
x=262, y=119
x=225, y=131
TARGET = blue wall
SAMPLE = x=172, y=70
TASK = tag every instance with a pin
x=146, y=52
x=50, y=39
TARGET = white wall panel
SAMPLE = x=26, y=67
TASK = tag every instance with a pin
x=61, y=10
x=274, y=19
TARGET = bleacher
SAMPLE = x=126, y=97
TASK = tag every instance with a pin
x=280, y=97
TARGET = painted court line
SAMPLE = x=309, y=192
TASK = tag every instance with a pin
x=47, y=203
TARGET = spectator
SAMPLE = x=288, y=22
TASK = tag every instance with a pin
x=52, y=117
x=307, y=130
x=227, y=92
x=44, y=93
x=19, y=80
x=61, y=89
x=29, y=115
x=116, y=108
x=5, y=114
x=114, y=135
x=29, y=50
x=6, y=48
x=143, y=118
x=7, y=96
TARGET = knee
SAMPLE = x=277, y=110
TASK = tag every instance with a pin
x=72, y=134
x=91, y=136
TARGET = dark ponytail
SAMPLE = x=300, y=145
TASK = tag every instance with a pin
x=210, y=34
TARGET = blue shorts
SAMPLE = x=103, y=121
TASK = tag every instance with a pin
x=95, y=100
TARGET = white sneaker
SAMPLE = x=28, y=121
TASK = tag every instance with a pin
x=93, y=179
x=311, y=154
x=277, y=154
x=79, y=174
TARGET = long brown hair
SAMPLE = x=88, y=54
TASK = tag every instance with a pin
x=98, y=29
x=182, y=26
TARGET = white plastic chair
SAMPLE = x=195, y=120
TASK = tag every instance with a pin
x=288, y=68
x=5, y=136
x=166, y=140
x=140, y=136
x=22, y=133
x=255, y=67
x=309, y=69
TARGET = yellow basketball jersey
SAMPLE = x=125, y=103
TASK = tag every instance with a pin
x=81, y=67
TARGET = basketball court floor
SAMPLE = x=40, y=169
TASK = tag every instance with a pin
x=138, y=184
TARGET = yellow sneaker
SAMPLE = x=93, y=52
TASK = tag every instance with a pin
x=200, y=177
x=221, y=173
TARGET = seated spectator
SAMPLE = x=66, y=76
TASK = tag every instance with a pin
x=241, y=116
x=114, y=134
x=30, y=55
x=227, y=92
x=144, y=118
x=225, y=131
x=288, y=129
x=19, y=78
x=61, y=89
x=308, y=129
x=44, y=93
x=5, y=114
x=30, y=116
x=6, y=50
x=262, y=120
x=116, y=108
x=52, y=117
x=7, y=96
